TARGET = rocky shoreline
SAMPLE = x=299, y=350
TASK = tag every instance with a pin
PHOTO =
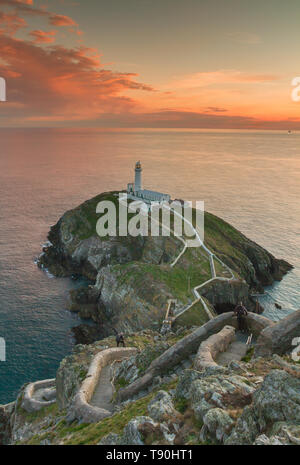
x=130, y=276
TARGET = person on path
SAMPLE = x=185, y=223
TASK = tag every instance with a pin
x=120, y=339
x=241, y=313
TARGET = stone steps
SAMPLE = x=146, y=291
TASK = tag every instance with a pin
x=235, y=351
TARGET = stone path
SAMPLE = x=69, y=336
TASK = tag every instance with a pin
x=236, y=350
x=104, y=390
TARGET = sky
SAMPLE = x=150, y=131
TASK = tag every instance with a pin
x=150, y=63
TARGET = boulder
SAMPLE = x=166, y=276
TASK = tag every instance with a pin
x=263, y=440
x=219, y=391
x=246, y=429
x=201, y=408
x=161, y=406
x=287, y=431
x=282, y=433
x=217, y=424
x=110, y=439
x=132, y=434
x=276, y=400
x=127, y=370
x=278, y=337
x=184, y=383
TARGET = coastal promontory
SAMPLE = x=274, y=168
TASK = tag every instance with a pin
x=132, y=278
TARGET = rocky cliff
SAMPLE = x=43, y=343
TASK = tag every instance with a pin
x=254, y=401
x=131, y=278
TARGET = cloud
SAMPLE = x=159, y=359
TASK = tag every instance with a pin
x=59, y=83
x=61, y=20
x=25, y=6
x=215, y=110
x=223, y=76
x=10, y=23
x=49, y=84
x=43, y=37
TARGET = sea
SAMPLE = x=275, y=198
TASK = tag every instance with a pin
x=249, y=178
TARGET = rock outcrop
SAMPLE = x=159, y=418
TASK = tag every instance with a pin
x=161, y=406
x=6, y=412
x=224, y=295
x=277, y=339
x=276, y=401
x=253, y=402
x=138, y=432
x=217, y=424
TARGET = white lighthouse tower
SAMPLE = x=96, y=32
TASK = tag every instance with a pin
x=138, y=177
x=135, y=191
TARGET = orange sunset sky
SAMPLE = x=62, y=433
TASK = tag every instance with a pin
x=150, y=63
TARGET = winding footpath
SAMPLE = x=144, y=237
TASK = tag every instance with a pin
x=212, y=257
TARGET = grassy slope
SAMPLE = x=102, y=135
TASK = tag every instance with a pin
x=179, y=279
x=195, y=316
x=218, y=233
x=226, y=241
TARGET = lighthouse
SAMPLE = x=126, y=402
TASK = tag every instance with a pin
x=138, y=177
x=135, y=191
